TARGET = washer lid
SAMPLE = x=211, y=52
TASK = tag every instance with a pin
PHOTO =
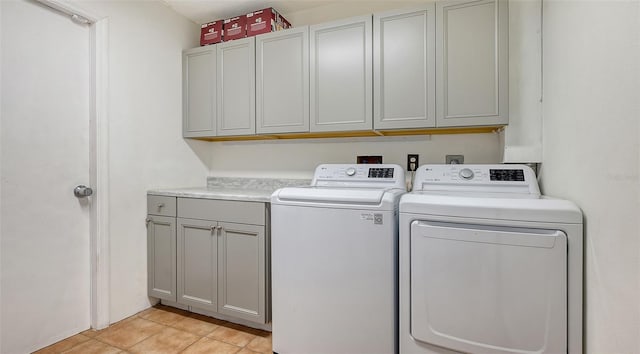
x=368, y=198
x=331, y=195
x=516, y=209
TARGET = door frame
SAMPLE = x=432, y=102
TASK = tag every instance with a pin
x=98, y=159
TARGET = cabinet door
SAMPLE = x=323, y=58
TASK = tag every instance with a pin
x=341, y=75
x=242, y=271
x=404, y=69
x=197, y=263
x=282, y=81
x=472, y=62
x=236, y=87
x=161, y=257
x=199, y=92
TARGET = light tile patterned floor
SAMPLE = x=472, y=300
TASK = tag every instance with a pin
x=165, y=330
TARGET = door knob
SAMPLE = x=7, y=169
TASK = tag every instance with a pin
x=82, y=191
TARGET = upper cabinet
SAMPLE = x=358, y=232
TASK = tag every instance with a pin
x=404, y=69
x=472, y=62
x=444, y=64
x=282, y=81
x=236, y=87
x=199, y=92
x=341, y=75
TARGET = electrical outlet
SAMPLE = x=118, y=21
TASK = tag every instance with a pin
x=369, y=159
x=454, y=159
x=412, y=162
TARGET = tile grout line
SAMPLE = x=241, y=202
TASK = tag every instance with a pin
x=179, y=329
x=205, y=336
x=199, y=337
x=131, y=346
x=73, y=346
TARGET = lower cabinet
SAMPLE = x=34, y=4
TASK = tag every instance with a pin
x=161, y=257
x=241, y=271
x=220, y=261
x=161, y=247
x=198, y=263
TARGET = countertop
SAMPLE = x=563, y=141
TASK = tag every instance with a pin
x=231, y=188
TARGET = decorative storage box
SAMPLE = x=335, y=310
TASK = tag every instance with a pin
x=235, y=28
x=211, y=33
x=265, y=21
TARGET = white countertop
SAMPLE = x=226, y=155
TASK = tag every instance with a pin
x=230, y=188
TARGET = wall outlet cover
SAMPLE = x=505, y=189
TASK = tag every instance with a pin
x=454, y=159
x=412, y=162
x=369, y=159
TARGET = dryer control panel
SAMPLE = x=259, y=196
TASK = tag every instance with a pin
x=383, y=176
x=512, y=179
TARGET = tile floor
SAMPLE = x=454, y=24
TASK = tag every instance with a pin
x=166, y=330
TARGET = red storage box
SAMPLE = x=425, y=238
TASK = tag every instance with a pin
x=265, y=21
x=211, y=33
x=235, y=28
x=285, y=24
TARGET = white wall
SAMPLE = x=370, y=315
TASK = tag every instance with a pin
x=146, y=147
x=523, y=135
x=344, y=9
x=298, y=158
x=591, y=153
x=1, y=151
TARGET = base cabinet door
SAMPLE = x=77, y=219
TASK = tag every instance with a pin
x=161, y=257
x=241, y=271
x=197, y=258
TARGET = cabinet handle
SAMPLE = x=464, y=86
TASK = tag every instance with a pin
x=160, y=205
x=213, y=229
x=147, y=221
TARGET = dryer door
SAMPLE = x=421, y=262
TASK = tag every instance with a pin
x=489, y=289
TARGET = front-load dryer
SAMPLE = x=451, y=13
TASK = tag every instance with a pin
x=487, y=265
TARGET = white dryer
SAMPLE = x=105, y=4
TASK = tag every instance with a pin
x=334, y=261
x=487, y=265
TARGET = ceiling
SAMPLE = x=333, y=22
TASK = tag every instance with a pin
x=202, y=11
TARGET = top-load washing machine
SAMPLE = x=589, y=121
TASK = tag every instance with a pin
x=487, y=265
x=334, y=261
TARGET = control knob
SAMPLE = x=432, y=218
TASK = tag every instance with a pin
x=351, y=171
x=466, y=173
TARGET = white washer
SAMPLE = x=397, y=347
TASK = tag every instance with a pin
x=487, y=265
x=334, y=261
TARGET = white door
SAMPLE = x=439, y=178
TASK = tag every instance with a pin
x=45, y=271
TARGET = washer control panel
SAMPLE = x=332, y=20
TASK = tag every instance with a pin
x=516, y=175
x=359, y=175
x=519, y=179
x=386, y=172
x=466, y=173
